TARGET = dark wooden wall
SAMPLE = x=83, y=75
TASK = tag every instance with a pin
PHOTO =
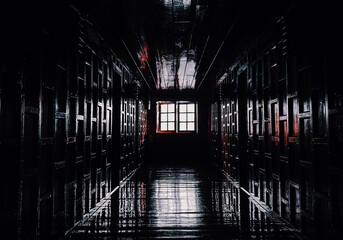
x=276, y=124
x=72, y=125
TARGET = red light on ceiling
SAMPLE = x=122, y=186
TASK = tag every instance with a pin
x=144, y=56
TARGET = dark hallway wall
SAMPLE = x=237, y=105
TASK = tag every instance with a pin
x=276, y=120
x=72, y=121
x=175, y=147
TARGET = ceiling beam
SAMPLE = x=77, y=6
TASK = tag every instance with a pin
x=202, y=54
x=134, y=61
x=220, y=47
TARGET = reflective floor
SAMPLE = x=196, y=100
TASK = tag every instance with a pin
x=171, y=202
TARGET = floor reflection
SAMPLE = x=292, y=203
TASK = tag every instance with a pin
x=181, y=202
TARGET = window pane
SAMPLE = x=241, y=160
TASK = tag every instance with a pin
x=164, y=126
x=164, y=107
x=167, y=116
x=171, y=126
x=191, y=107
x=190, y=117
x=190, y=126
x=164, y=117
x=183, y=117
x=171, y=117
x=183, y=127
x=183, y=108
x=171, y=107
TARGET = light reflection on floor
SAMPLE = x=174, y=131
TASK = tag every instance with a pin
x=180, y=202
x=174, y=200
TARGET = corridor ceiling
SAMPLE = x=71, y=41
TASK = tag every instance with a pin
x=174, y=44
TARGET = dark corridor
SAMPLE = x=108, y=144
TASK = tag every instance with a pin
x=166, y=119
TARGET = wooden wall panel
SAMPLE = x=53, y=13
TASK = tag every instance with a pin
x=57, y=125
x=292, y=113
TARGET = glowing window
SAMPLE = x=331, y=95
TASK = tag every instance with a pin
x=167, y=117
x=186, y=117
x=176, y=116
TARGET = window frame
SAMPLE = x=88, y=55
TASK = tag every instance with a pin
x=168, y=121
x=187, y=114
x=177, y=113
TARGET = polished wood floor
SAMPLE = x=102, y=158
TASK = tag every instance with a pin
x=176, y=201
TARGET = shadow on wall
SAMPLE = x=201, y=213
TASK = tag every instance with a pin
x=174, y=147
